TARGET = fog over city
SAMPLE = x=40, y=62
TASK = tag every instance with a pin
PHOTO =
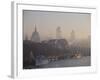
x=56, y=39
x=47, y=23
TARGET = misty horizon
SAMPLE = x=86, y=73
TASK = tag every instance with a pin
x=47, y=23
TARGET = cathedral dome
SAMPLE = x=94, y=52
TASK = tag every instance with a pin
x=35, y=36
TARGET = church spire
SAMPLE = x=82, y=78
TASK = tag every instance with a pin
x=35, y=28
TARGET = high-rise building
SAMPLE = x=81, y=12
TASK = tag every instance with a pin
x=58, y=33
x=35, y=36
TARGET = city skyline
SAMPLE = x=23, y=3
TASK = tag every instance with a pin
x=47, y=23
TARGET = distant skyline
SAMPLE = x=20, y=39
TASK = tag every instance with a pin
x=47, y=23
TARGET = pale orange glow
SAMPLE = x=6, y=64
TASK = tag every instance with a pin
x=47, y=22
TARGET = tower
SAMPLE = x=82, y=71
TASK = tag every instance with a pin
x=72, y=35
x=35, y=36
x=58, y=33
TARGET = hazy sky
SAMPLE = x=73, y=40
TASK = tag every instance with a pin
x=47, y=22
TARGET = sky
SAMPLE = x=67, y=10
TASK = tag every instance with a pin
x=47, y=22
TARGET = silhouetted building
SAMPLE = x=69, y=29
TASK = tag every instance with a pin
x=72, y=36
x=35, y=36
x=58, y=33
x=59, y=43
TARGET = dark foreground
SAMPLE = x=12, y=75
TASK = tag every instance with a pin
x=83, y=61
